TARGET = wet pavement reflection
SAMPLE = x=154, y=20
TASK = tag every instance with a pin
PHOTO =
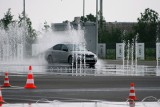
x=69, y=88
x=102, y=68
x=105, y=68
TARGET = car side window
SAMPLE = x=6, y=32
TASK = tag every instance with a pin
x=64, y=48
x=57, y=47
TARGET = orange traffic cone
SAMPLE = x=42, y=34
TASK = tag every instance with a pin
x=1, y=99
x=0, y=104
x=30, y=80
x=132, y=95
x=6, y=80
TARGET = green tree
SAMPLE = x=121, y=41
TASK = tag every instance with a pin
x=25, y=21
x=7, y=19
x=89, y=17
x=114, y=35
x=147, y=25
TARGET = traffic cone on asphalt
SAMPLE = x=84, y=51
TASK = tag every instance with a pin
x=1, y=104
x=30, y=80
x=1, y=99
x=6, y=81
x=132, y=95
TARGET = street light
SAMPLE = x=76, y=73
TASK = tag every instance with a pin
x=24, y=9
x=97, y=27
x=83, y=8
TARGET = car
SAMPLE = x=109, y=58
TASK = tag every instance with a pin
x=70, y=53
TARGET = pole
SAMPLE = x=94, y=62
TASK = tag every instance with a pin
x=97, y=27
x=24, y=11
x=101, y=10
x=24, y=18
x=83, y=8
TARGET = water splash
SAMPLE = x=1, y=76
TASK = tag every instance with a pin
x=136, y=49
x=13, y=43
x=72, y=34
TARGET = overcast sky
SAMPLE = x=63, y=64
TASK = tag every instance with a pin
x=56, y=11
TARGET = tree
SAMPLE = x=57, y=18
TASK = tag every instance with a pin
x=112, y=36
x=28, y=24
x=147, y=25
x=89, y=17
x=7, y=19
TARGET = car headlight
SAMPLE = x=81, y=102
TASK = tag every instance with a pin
x=95, y=56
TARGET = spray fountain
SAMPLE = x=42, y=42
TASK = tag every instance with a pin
x=12, y=44
x=157, y=49
x=130, y=55
x=14, y=50
x=71, y=34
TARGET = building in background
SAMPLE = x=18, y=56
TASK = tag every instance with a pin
x=102, y=50
x=89, y=32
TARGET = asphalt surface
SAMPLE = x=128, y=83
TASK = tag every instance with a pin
x=79, y=88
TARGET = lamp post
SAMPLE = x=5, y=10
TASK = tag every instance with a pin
x=83, y=8
x=97, y=27
x=101, y=10
x=24, y=18
x=24, y=11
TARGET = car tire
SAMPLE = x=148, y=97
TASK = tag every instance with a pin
x=92, y=65
x=49, y=59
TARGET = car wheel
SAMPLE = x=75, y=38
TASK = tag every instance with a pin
x=49, y=59
x=92, y=65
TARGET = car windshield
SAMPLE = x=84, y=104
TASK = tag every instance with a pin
x=76, y=47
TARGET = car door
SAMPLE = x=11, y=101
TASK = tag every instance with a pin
x=56, y=53
x=64, y=53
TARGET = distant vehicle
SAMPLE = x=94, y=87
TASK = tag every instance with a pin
x=70, y=53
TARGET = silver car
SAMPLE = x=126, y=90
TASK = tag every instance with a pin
x=70, y=53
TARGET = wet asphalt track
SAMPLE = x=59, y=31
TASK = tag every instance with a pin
x=79, y=88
